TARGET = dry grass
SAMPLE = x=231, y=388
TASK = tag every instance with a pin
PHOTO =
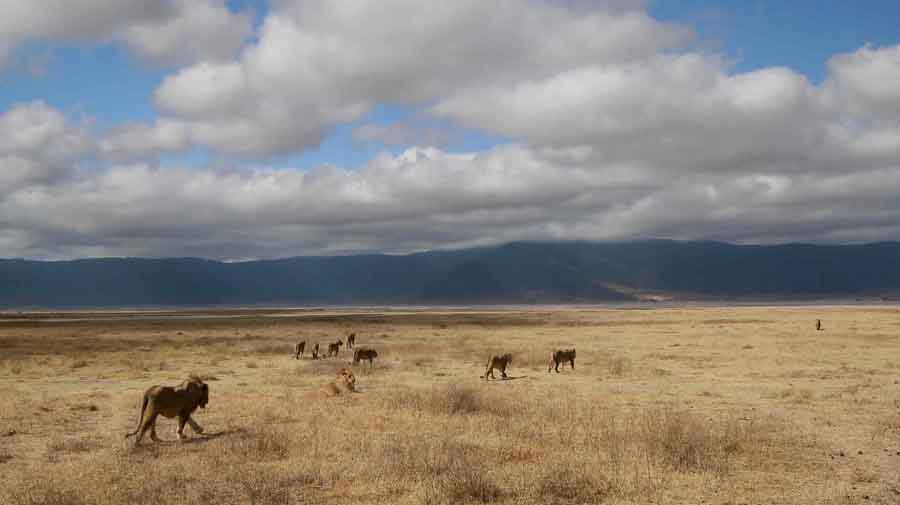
x=619, y=366
x=466, y=453
x=73, y=445
x=452, y=399
x=79, y=364
x=665, y=408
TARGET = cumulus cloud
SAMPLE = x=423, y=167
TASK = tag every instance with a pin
x=139, y=140
x=318, y=64
x=167, y=31
x=38, y=145
x=57, y=19
x=200, y=30
x=680, y=111
x=426, y=198
x=618, y=131
x=863, y=81
x=124, y=201
x=5, y=49
x=401, y=134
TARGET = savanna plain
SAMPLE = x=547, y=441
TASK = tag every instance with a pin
x=728, y=405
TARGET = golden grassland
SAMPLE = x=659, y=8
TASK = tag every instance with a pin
x=739, y=405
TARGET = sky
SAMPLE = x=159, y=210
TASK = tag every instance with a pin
x=248, y=129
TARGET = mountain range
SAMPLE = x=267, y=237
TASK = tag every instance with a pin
x=520, y=272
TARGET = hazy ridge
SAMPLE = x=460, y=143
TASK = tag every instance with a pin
x=520, y=272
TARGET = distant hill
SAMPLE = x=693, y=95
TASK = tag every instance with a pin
x=521, y=272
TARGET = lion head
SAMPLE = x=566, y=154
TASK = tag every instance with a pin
x=343, y=383
x=347, y=378
x=197, y=390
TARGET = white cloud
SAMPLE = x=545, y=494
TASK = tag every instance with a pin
x=318, y=64
x=139, y=140
x=75, y=19
x=37, y=145
x=32, y=128
x=201, y=30
x=5, y=50
x=866, y=80
x=618, y=132
x=427, y=198
x=682, y=112
x=402, y=134
x=165, y=31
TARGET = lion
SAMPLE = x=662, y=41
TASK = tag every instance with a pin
x=561, y=356
x=315, y=351
x=299, y=348
x=335, y=348
x=351, y=340
x=180, y=401
x=500, y=363
x=362, y=353
x=345, y=382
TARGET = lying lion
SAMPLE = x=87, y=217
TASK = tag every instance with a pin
x=345, y=382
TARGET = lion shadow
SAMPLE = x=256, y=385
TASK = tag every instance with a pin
x=195, y=438
x=207, y=436
x=507, y=378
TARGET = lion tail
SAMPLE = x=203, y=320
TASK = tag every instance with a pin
x=141, y=419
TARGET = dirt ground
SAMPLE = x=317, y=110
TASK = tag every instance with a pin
x=730, y=405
